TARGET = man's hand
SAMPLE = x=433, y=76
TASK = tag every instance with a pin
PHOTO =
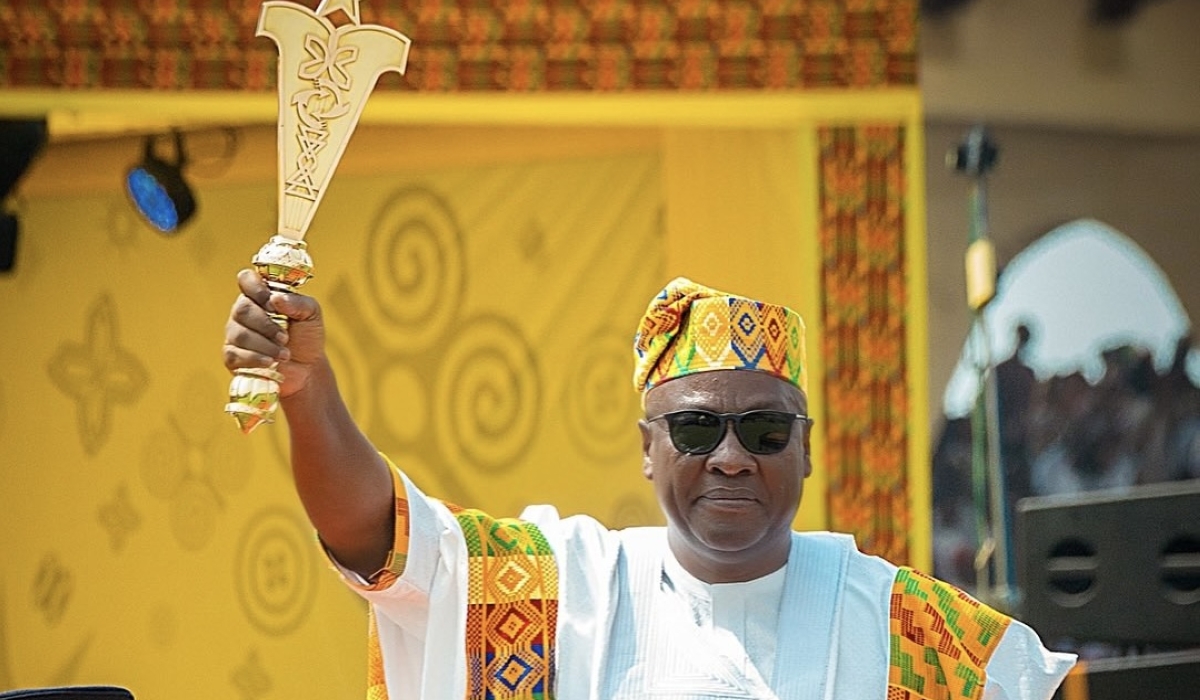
x=252, y=339
x=344, y=483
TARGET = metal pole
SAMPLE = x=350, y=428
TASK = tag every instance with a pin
x=975, y=157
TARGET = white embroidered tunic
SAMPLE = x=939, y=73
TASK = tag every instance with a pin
x=631, y=623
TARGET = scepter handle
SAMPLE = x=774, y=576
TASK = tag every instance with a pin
x=285, y=265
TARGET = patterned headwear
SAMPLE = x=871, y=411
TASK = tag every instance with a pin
x=690, y=328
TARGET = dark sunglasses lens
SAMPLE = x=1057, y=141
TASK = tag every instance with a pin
x=765, y=432
x=694, y=432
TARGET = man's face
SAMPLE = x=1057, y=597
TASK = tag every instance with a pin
x=729, y=512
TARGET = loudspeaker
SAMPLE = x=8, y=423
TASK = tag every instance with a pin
x=1112, y=566
x=1171, y=676
x=20, y=142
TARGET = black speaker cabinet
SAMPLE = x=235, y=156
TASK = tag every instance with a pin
x=1115, y=566
x=1171, y=676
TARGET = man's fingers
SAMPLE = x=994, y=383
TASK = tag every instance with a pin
x=254, y=343
x=250, y=315
x=297, y=307
x=238, y=357
x=253, y=286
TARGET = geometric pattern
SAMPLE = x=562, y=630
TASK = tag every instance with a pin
x=941, y=640
x=376, y=682
x=97, y=374
x=119, y=518
x=488, y=46
x=512, y=608
x=398, y=557
x=864, y=268
x=190, y=461
x=392, y=570
x=691, y=328
x=251, y=678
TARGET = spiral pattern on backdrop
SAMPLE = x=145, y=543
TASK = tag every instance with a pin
x=488, y=396
x=276, y=571
x=414, y=265
x=601, y=405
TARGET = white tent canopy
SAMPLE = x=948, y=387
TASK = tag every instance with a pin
x=1081, y=289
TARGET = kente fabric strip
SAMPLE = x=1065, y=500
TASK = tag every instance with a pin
x=512, y=608
x=454, y=624
x=512, y=605
x=532, y=46
x=376, y=682
x=690, y=328
x=867, y=379
x=383, y=579
x=941, y=640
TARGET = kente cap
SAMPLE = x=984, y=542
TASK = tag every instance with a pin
x=690, y=328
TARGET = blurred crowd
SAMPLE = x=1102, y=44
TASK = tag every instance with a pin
x=1064, y=435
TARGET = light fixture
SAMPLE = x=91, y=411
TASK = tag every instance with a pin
x=20, y=142
x=157, y=188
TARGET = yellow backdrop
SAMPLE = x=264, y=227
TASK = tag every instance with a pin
x=482, y=287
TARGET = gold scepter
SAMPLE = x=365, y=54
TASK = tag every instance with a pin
x=325, y=74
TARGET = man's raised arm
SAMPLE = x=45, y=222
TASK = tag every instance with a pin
x=343, y=482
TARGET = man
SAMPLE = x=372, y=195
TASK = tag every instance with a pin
x=724, y=602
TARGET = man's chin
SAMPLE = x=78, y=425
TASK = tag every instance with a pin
x=730, y=542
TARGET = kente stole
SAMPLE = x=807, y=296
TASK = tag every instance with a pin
x=512, y=607
x=941, y=640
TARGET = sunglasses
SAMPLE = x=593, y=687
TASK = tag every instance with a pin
x=698, y=432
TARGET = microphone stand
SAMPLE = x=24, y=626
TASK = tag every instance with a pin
x=975, y=157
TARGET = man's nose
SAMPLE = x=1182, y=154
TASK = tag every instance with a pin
x=730, y=456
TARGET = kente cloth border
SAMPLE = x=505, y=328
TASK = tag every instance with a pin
x=489, y=46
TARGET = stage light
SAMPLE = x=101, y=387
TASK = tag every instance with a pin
x=9, y=227
x=20, y=142
x=158, y=191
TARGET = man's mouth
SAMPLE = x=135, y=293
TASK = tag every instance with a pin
x=730, y=497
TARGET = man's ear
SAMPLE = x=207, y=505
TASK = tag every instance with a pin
x=647, y=439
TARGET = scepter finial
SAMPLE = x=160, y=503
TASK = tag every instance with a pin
x=350, y=7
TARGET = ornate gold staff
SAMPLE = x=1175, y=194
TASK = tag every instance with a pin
x=326, y=73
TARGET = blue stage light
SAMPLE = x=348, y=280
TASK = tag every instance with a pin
x=158, y=190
